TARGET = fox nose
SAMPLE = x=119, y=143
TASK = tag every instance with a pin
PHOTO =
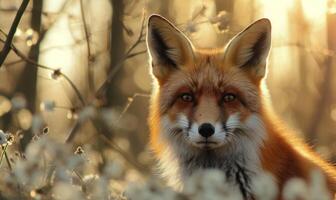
x=206, y=130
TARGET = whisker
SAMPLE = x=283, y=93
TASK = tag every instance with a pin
x=174, y=130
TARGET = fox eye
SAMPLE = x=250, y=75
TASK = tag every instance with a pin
x=187, y=97
x=229, y=97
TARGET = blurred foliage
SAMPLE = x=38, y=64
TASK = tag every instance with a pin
x=82, y=132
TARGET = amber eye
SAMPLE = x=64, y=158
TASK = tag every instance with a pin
x=187, y=97
x=229, y=97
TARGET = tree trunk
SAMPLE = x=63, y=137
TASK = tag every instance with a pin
x=326, y=86
x=117, y=50
x=28, y=79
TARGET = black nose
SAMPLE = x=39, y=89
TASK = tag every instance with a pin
x=206, y=130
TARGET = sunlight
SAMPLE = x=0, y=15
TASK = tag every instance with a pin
x=277, y=12
x=107, y=99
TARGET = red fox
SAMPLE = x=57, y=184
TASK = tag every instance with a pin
x=209, y=110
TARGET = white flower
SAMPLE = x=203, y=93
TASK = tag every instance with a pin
x=5, y=105
x=87, y=113
x=48, y=106
x=95, y=186
x=110, y=116
x=66, y=191
x=113, y=170
x=151, y=190
x=25, y=118
x=18, y=102
x=20, y=171
x=34, y=151
x=265, y=180
x=211, y=184
x=63, y=175
x=221, y=16
x=37, y=124
x=295, y=188
x=318, y=188
x=3, y=138
x=221, y=21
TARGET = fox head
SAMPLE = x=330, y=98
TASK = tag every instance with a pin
x=206, y=100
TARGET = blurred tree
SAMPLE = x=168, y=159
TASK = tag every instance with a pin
x=321, y=108
x=300, y=24
x=27, y=82
x=117, y=50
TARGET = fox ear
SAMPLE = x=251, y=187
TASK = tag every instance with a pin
x=168, y=47
x=249, y=49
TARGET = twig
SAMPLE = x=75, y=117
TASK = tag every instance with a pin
x=79, y=176
x=105, y=134
x=199, y=13
x=8, y=43
x=129, y=103
x=8, y=161
x=4, y=153
x=136, y=54
x=135, y=44
x=73, y=86
x=87, y=36
x=10, y=9
x=77, y=124
x=73, y=132
x=124, y=154
x=13, y=62
x=101, y=91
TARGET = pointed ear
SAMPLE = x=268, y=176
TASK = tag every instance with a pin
x=168, y=47
x=249, y=49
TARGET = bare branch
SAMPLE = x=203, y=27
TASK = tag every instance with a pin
x=73, y=86
x=136, y=54
x=13, y=63
x=7, y=47
x=73, y=132
x=129, y=103
x=106, y=136
x=101, y=91
x=124, y=154
x=10, y=9
x=89, y=55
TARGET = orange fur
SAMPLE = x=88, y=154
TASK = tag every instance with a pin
x=287, y=156
x=283, y=154
x=208, y=74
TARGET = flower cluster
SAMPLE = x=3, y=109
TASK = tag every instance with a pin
x=52, y=170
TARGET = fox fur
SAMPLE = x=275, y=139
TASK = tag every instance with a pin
x=224, y=89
